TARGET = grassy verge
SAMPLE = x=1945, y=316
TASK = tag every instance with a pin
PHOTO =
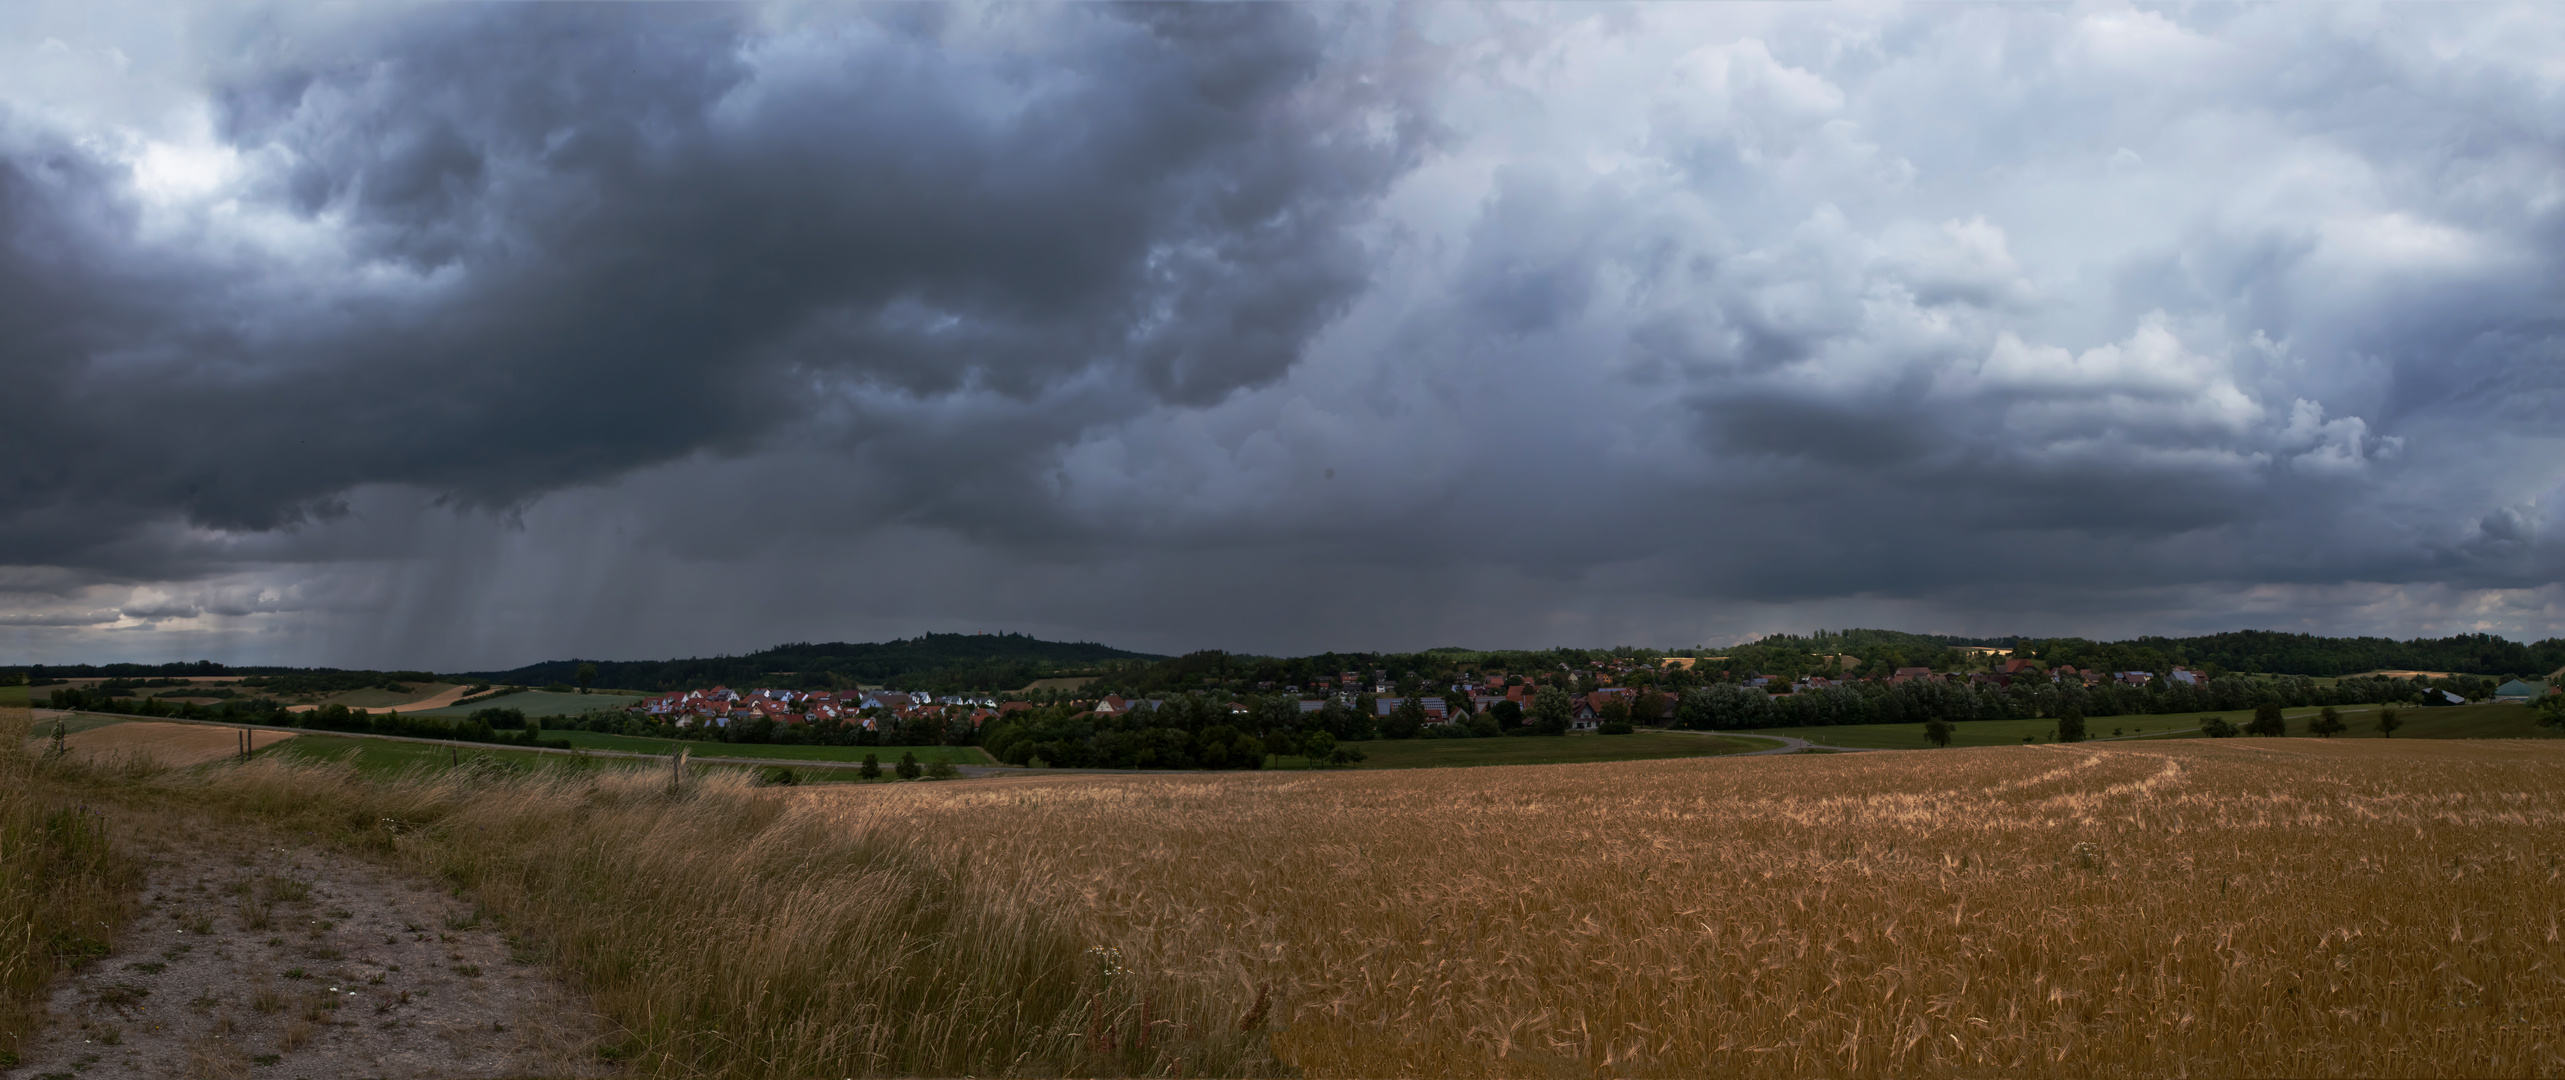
x=64, y=887
x=741, y=931
x=1539, y=750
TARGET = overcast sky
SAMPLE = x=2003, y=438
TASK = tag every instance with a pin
x=472, y=335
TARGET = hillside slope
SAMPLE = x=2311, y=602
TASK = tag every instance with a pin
x=929, y=662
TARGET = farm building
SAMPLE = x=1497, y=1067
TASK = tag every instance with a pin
x=2519, y=692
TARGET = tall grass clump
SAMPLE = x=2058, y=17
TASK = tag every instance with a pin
x=732, y=931
x=64, y=887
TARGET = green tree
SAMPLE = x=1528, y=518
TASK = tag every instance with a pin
x=1937, y=731
x=1405, y=719
x=1318, y=747
x=2551, y=710
x=587, y=675
x=2388, y=722
x=1508, y=713
x=1277, y=714
x=908, y=768
x=872, y=769
x=1614, y=713
x=2327, y=722
x=2267, y=721
x=2216, y=727
x=2070, y=725
x=1550, y=712
x=1648, y=708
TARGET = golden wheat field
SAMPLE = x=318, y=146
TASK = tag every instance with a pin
x=2269, y=907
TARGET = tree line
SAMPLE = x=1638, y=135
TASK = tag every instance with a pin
x=1202, y=730
x=1729, y=706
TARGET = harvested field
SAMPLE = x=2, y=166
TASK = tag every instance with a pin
x=1059, y=684
x=174, y=745
x=2292, y=907
x=375, y=701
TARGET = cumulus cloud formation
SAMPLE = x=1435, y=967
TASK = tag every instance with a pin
x=460, y=336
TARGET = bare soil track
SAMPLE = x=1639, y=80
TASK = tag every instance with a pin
x=253, y=959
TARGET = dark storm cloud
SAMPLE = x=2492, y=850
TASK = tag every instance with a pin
x=1905, y=383
x=569, y=242
x=1291, y=327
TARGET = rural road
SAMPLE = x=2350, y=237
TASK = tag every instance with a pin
x=1789, y=744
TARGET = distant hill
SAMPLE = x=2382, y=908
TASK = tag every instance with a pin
x=2269, y=651
x=930, y=662
x=2308, y=654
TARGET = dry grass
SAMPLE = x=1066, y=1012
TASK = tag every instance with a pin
x=734, y=932
x=2289, y=907
x=2273, y=907
x=64, y=889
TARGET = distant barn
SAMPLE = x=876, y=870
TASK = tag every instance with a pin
x=2519, y=692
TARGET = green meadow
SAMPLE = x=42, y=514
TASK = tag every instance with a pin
x=377, y=756
x=385, y=756
x=2483, y=721
x=926, y=755
x=539, y=703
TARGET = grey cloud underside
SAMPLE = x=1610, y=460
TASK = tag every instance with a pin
x=621, y=236
x=1684, y=305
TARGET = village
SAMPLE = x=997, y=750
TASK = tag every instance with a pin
x=1631, y=690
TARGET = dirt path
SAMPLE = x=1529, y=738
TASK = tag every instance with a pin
x=260, y=961
x=175, y=745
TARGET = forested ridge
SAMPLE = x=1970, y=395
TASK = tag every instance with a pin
x=989, y=662
x=1865, y=653
x=2308, y=654
x=937, y=662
